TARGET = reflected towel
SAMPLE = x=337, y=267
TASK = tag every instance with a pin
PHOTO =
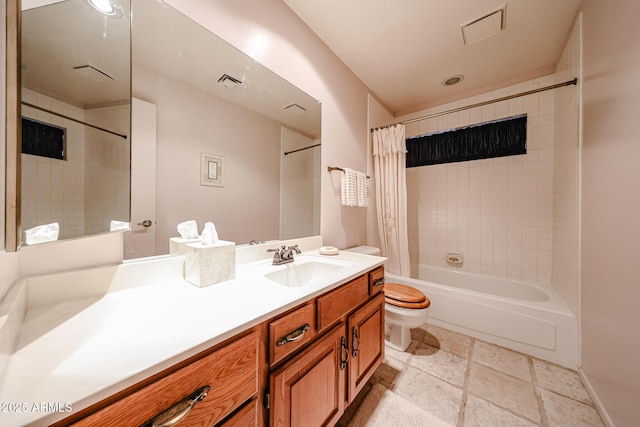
x=349, y=188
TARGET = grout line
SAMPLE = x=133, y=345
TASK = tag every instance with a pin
x=544, y=417
x=465, y=385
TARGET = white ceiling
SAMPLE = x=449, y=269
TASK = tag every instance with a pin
x=403, y=49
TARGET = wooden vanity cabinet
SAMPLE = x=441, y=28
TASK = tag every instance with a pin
x=314, y=387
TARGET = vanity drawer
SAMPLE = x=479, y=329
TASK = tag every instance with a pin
x=376, y=281
x=291, y=331
x=231, y=373
x=337, y=303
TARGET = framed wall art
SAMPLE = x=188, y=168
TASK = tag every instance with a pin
x=212, y=170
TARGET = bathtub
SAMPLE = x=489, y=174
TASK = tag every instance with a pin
x=525, y=317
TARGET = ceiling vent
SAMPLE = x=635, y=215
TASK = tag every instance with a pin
x=229, y=81
x=484, y=27
x=294, y=109
x=93, y=73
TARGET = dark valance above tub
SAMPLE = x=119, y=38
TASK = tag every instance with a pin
x=499, y=138
x=42, y=139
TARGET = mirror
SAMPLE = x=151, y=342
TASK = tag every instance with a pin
x=203, y=97
x=75, y=161
x=212, y=138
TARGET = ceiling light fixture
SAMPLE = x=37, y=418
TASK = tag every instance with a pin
x=106, y=7
x=450, y=81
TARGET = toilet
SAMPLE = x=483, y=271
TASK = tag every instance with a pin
x=405, y=308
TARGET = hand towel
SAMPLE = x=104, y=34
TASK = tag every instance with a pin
x=361, y=190
x=348, y=188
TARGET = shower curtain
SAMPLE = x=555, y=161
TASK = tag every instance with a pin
x=389, y=160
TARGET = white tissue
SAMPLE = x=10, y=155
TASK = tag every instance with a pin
x=42, y=234
x=188, y=229
x=209, y=234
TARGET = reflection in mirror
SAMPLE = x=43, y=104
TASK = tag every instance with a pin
x=76, y=119
x=194, y=94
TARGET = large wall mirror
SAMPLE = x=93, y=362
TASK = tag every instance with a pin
x=214, y=135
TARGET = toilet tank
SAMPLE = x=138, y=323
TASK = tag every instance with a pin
x=367, y=250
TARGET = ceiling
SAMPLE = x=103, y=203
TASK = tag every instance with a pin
x=404, y=49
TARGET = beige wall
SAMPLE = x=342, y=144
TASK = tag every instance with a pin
x=610, y=258
x=566, y=174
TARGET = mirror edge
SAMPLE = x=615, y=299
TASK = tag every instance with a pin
x=12, y=127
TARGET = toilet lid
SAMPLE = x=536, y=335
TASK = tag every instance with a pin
x=405, y=296
x=403, y=293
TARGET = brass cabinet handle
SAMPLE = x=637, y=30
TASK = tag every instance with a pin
x=379, y=282
x=344, y=353
x=293, y=336
x=179, y=411
x=354, y=338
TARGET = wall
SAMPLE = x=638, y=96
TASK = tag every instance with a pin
x=498, y=212
x=191, y=122
x=610, y=267
x=299, y=186
x=566, y=174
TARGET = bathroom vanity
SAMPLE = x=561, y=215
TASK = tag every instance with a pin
x=140, y=343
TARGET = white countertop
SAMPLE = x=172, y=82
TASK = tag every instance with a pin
x=88, y=334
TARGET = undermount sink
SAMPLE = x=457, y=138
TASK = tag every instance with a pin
x=307, y=270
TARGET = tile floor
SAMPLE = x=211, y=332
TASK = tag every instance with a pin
x=467, y=382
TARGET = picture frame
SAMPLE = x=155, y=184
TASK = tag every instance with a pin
x=211, y=170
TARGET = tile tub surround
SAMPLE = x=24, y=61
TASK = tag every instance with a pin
x=464, y=382
x=106, y=328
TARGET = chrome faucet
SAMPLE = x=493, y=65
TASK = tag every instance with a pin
x=284, y=254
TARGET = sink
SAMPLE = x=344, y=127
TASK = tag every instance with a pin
x=307, y=270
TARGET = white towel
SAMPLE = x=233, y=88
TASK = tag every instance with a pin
x=349, y=188
x=361, y=185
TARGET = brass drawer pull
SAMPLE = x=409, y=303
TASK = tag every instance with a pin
x=179, y=411
x=379, y=282
x=293, y=336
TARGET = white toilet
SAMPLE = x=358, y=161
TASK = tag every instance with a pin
x=405, y=308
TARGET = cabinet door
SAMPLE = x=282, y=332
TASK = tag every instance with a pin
x=309, y=390
x=366, y=339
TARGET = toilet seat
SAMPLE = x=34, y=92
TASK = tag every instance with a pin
x=405, y=296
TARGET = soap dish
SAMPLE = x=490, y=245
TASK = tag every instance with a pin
x=328, y=250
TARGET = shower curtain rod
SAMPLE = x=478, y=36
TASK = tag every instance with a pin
x=481, y=104
x=300, y=149
x=74, y=120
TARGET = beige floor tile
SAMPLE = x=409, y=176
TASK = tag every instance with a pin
x=433, y=395
x=439, y=363
x=402, y=356
x=480, y=413
x=566, y=412
x=450, y=341
x=502, y=359
x=387, y=372
x=560, y=380
x=504, y=390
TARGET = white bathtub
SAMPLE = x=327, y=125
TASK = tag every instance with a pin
x=524, y=317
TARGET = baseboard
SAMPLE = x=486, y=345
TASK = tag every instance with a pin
x=606, y=419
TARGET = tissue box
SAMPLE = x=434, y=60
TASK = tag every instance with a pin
x=178, y=245
x=209, y=264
